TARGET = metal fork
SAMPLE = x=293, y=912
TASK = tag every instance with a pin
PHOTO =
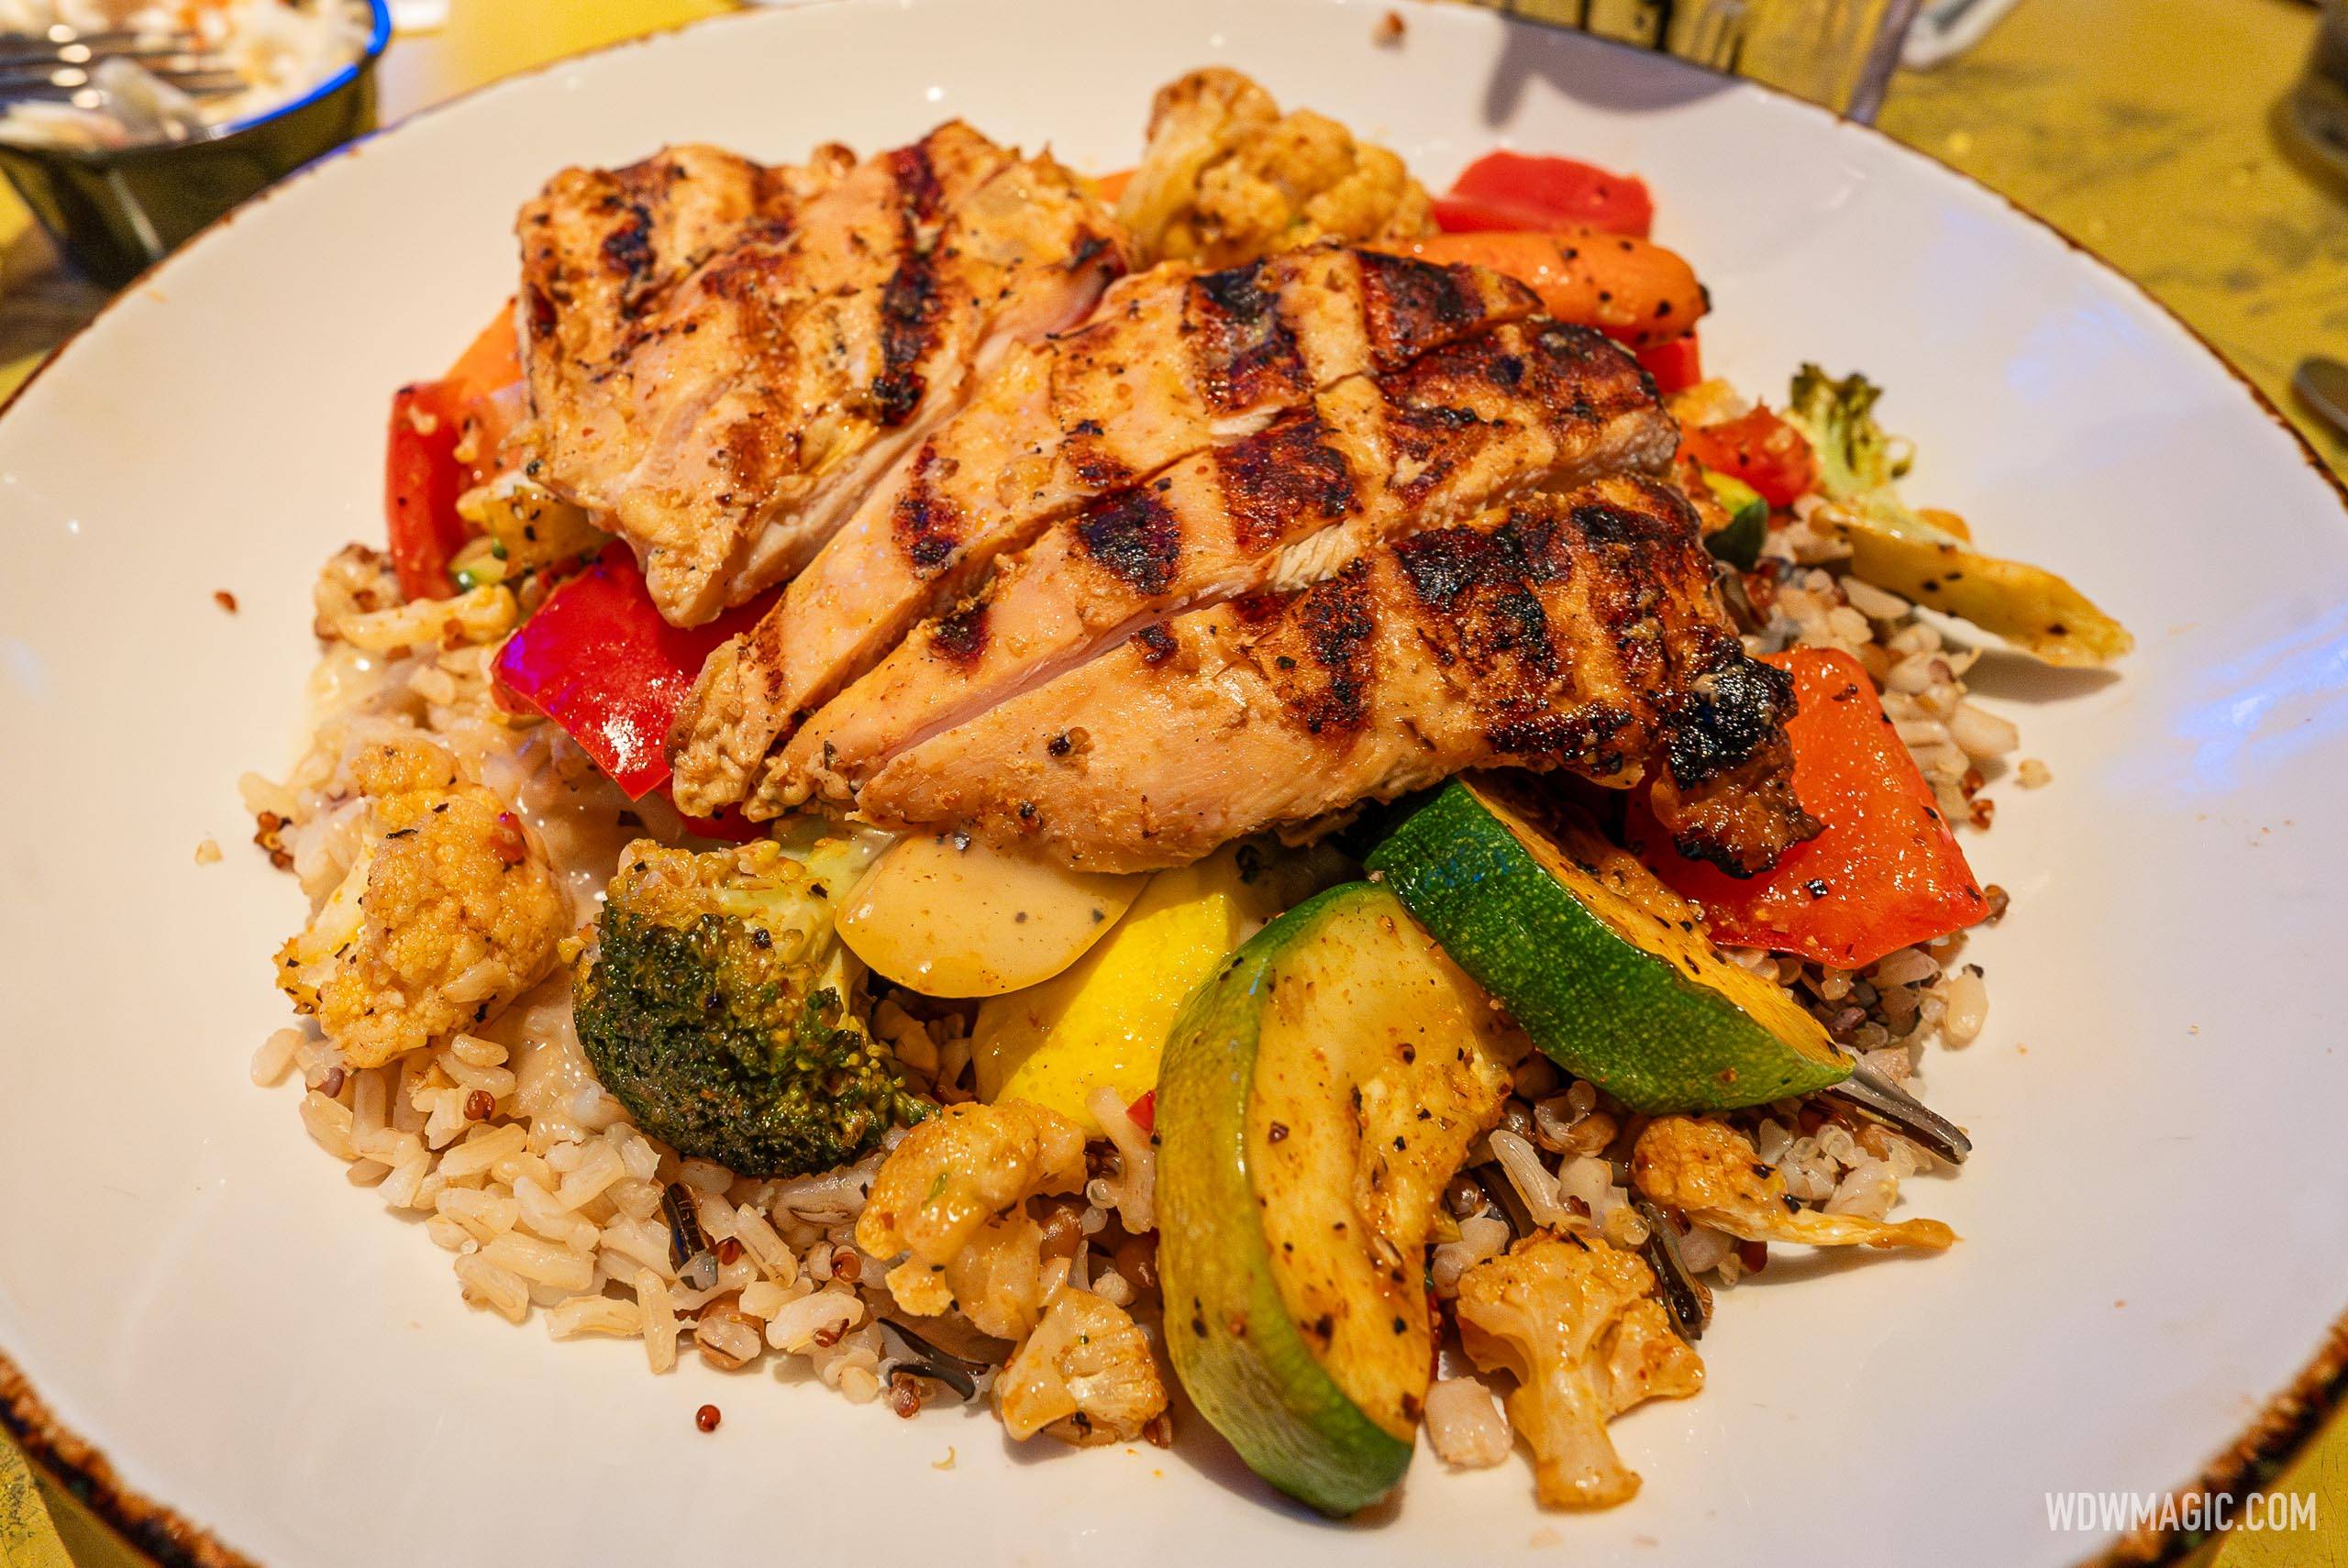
x=59, y=65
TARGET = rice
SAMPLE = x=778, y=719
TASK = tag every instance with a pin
x=1465, y=1425
x=796, y=1324
x=658, y=1321
x=547, y=1200
x=487, y=1284
x=274, y=1059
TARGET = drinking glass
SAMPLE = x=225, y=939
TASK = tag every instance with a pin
x=1840, y=54
x=2317, y=110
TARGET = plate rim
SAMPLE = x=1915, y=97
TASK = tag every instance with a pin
x=2264, y=1447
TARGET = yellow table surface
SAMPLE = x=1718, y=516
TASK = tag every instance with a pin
x=2139, y=127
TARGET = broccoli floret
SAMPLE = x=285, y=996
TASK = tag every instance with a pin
x=719, y=1007
x=1854, y=456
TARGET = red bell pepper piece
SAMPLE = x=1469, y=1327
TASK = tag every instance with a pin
x=731, y=828
x=423, y=475
x=598, y=659
x=421, y=480
x=1143, y=1112
x=1761, y=449
x=1676, y=366
x=1886, y=873
x=1516, y=189
x=1485, y=214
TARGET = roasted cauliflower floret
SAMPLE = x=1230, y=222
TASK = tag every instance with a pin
x=358, y=601
x=1578, y=1324
x=450, y=912
x=1000, y=1279
x=1711, y=1173
x=1226, y=179
x=952, y=1198
x=1085, y=1376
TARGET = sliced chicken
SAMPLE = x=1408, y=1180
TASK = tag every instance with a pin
x=724, y=358
x=1529, y=405
x=1580, y=630
x=1174, y=363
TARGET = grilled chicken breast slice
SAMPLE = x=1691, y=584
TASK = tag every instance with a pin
x=722, y=358
x=1527, y=405
x=1578, y=630
x=1174, y=362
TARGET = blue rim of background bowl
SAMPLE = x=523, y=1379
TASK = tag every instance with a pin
x=379, y=38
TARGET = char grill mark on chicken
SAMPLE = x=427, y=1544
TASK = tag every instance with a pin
x=722, y=358
x=1173, y=364
x=1577, y=631
x=1523, y=407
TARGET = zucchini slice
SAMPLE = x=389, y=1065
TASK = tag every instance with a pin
x=1313, y=1100
x=1609, y=971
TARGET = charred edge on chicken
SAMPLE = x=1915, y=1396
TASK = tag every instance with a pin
x=1244, y=352
x=1278, y=475
x=927, y=525
x=961, y=633
x=1134, y=538
x=909, y=302
x=1412, y=306
x=1318, y=650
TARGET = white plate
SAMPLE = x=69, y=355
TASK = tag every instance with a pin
x=2154, y=1231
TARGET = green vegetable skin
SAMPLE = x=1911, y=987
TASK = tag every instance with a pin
x=1739, y=544
x=1608, y=971
x=720, y=1011
x=1895, y=548
x=1333, y=1021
